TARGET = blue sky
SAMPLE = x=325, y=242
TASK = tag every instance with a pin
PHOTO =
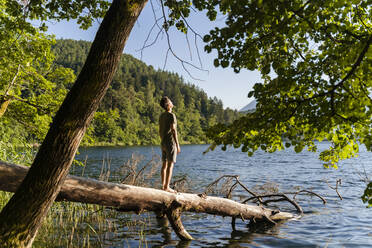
x=230, y=87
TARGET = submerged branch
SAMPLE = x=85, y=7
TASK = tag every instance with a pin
x=277, y=197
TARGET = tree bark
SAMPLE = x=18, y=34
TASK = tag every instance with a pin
x=23, y=215
x=138, y=199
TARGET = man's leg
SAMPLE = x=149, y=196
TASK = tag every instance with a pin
x=168, y=176
x=163, y=174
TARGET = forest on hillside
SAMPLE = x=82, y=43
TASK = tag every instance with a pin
x=130, y=110
x=128, y=114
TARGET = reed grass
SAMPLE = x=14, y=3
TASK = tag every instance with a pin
x=79, y=225
x=70, y=224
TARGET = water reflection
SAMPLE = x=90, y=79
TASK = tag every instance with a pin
x=166, y=232
x=254, y=230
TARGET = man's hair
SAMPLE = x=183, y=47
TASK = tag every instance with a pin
x=164, y=102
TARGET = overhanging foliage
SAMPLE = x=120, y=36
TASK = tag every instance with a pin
x=315, y=62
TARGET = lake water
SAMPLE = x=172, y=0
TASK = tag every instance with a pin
x=339, y=223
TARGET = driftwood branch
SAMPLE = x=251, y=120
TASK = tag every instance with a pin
x=283, y=197
x=138, y=199
x=236, y=177
x=309, y=193
x=274, y=197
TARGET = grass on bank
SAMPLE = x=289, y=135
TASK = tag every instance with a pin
x=70, y=224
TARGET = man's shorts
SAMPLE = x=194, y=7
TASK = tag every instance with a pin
x=169, y=153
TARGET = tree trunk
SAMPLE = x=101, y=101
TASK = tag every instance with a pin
x=131, y=198
x=23, y=215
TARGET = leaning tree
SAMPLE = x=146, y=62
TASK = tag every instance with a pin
x=19, y=224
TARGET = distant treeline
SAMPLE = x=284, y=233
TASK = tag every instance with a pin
x=129, y=112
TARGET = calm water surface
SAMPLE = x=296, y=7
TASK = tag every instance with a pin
x=345, y=223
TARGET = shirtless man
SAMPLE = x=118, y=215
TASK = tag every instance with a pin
x=170, y=146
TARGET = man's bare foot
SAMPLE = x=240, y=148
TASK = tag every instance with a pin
x=170, y=190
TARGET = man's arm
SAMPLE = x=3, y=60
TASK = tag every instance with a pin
x=175, y=136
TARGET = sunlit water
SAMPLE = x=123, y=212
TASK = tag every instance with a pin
x=339, y=223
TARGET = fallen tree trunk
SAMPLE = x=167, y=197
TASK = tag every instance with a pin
x=138, y=199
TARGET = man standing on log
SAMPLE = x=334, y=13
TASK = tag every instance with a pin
x=170, y=146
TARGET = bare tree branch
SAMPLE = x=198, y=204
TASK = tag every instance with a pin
x=145, y=45
x=338, y=182
x=13, y=81
x=188, y=45
x=170, y=49
x=166, y=58
x=43, y=109
x=196, y=35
